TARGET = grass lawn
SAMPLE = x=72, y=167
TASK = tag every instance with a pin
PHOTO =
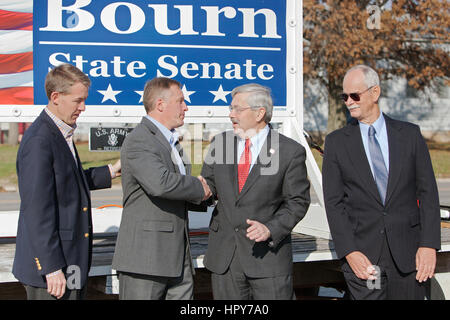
x=8, y=164
x=440, y=157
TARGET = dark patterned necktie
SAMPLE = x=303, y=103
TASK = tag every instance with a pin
x=379, y=168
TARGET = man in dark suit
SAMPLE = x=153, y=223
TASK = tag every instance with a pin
x=259, y=178
x=54, y=236
x=152, y=251
x=381, y=197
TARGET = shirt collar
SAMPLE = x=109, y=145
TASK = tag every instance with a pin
x=378, y=125
x=171, y=135
x=66, y=130
x=260, y=136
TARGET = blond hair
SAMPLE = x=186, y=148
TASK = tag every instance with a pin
x=63, y=77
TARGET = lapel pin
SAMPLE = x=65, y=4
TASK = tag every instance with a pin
x=272, y=151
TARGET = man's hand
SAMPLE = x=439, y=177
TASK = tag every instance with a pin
x=361, y=265
x=257, y=231
x=425, y=263
x=56, y=284
x=117, y=168
x=206, y=188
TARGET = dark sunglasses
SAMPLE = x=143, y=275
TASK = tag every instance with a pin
x=354, y=96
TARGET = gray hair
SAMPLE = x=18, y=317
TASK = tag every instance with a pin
x=260, y=97
x=370, y=76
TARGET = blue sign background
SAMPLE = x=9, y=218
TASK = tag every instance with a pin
x=115, y=75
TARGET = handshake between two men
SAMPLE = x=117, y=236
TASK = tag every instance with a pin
x=257, y=231
x=206, y=188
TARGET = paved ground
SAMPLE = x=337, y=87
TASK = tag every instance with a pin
x=10, y=201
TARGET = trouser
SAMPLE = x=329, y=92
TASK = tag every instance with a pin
x=235, y=285
x=391, y=283
x=134, y=286
x=34, y=293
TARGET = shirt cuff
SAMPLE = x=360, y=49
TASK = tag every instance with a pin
x=53, y=273
x=111, y=171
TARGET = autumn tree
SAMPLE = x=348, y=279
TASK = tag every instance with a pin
x=401, y=38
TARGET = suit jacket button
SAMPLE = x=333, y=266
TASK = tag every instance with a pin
x=236, y=229
x=86, y=235
x=384, y=213
x=382, y=231
x=85, y=209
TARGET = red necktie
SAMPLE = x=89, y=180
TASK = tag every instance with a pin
x=244, y=164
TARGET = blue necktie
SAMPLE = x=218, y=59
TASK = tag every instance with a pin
x=379, y=168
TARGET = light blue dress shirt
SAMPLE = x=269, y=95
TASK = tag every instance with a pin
x=257, y=143
x=380, y=135
x=172, y=138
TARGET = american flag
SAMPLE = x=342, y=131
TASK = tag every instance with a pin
x=16, y=52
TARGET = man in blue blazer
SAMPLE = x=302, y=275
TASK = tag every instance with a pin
x=54, y=236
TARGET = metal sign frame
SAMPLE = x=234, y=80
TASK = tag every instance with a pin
x=291, y=119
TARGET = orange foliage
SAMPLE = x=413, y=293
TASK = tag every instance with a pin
x=411, y=40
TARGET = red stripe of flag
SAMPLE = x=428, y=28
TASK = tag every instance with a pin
x=16, y=95
x=16, y=62
x=16, y=20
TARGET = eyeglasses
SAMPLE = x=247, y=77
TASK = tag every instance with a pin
x=237, y=109
x=355, y=96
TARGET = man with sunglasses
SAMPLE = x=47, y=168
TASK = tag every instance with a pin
x=381, y=197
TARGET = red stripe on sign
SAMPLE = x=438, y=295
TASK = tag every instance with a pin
x=17, y=62
x=16, y=20
x=16, y=95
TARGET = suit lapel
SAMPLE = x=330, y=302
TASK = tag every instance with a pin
x=62, y=143
x=64, y=147
x=358, y=157
x=159, y=136
x=234, y=167
x=396, y=151
x=80, y=174
x=161, y=139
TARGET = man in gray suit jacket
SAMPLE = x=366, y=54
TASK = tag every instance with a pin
x=259, y=178
x=152, y=251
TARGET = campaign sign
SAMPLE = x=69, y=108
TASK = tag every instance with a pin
x=209, y=46
x=107, y=139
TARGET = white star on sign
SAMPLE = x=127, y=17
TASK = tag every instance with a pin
x=187, y=93
x=141, y=93
x=109, y=94
x=220, y=94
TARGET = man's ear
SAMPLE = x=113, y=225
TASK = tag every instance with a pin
x=54, y=98
x=376, y=93
x=261, y=114
x=160, y=104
